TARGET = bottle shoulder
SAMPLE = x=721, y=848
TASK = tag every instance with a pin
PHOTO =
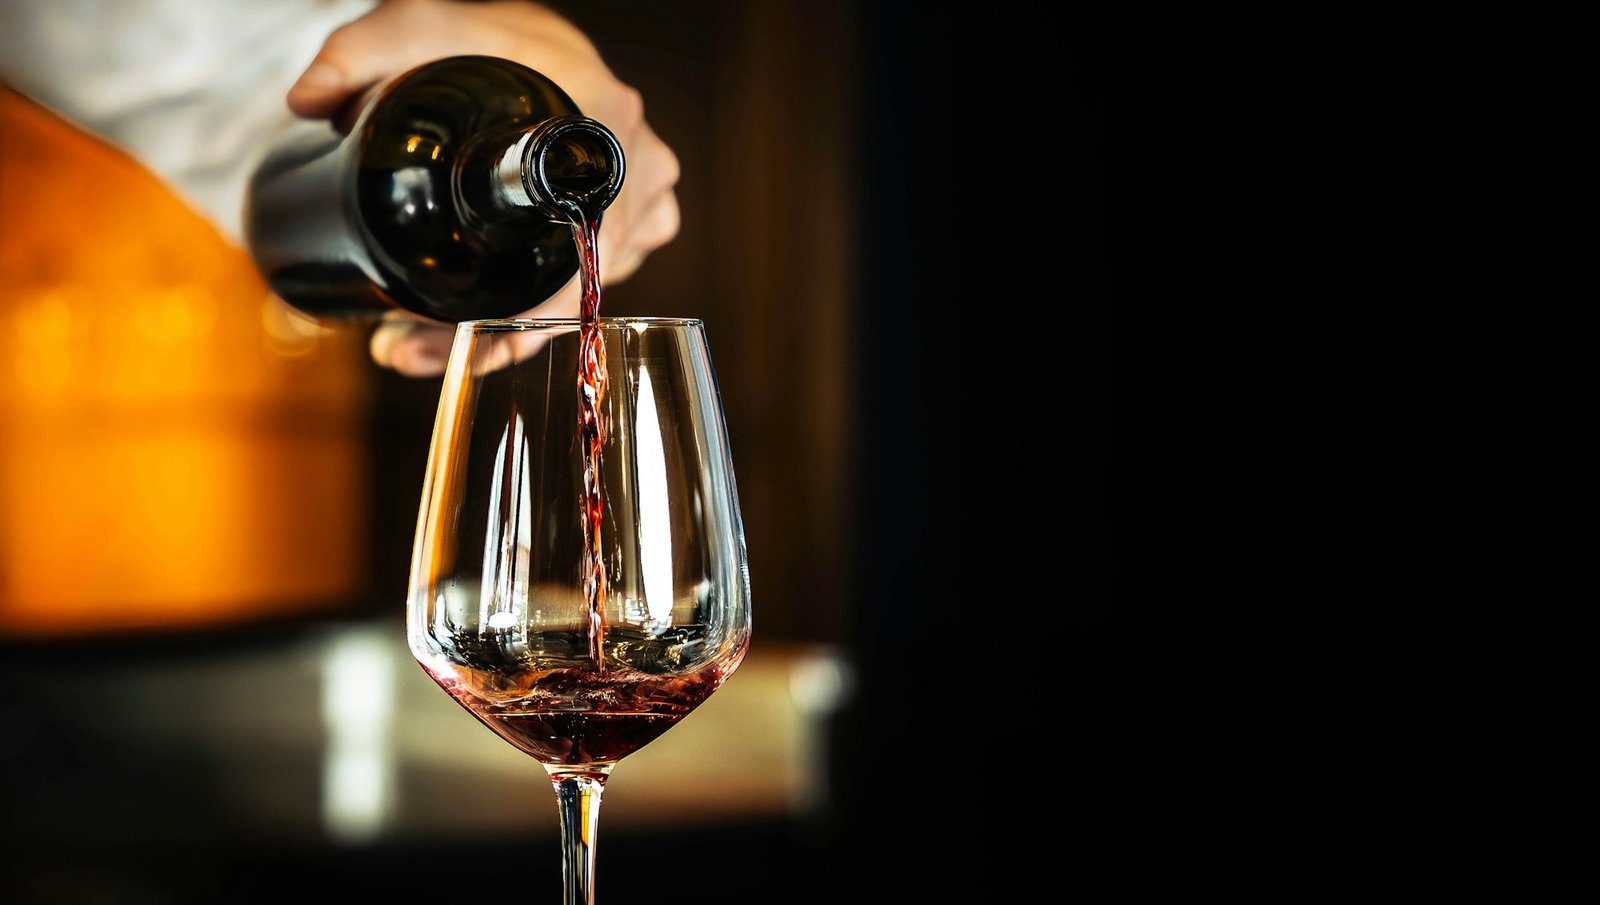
x=458, y=97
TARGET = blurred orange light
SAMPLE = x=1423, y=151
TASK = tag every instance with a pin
x=177, y=449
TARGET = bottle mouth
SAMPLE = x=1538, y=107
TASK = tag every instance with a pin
x=573, y=162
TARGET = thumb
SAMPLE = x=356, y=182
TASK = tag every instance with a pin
x=322, y=88
x=355, y=57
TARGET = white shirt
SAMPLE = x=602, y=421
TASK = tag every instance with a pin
x=193, y=89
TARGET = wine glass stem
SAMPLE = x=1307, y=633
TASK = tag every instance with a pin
x=578, y=796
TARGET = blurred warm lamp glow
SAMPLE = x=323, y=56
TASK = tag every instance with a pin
x=177, y=450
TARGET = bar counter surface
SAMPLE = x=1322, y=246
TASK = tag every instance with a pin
x=242, y=768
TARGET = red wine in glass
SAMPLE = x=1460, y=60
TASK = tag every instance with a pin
x=579, y=582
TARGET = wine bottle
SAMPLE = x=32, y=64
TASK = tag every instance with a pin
x=450, y=197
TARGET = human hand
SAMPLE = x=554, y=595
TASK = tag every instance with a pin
x=400, y=34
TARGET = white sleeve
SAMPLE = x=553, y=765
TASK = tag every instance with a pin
x=193, y=90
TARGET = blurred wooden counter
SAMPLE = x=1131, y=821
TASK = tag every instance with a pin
x=337, y=734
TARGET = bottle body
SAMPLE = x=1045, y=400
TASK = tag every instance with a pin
x=447, y=198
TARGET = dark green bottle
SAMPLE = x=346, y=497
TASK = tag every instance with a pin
x=451, y=197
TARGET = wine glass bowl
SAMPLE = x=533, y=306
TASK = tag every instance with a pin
x=579, y=640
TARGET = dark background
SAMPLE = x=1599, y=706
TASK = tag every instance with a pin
x=894, y=227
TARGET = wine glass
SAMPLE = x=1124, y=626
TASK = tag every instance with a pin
x=579, y=647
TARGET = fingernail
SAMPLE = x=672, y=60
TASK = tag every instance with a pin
x=419, y=360
x=386, y=338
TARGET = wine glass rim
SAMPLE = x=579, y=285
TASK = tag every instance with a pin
x=531, y=323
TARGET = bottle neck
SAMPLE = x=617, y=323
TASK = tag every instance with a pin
x=563, y=168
